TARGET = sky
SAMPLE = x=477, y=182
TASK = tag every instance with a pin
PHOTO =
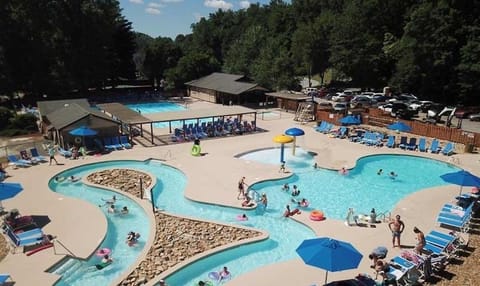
x=168, y=18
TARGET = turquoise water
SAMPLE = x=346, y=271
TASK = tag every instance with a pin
x=327, y=190
x=77, y=272
x=155, y=107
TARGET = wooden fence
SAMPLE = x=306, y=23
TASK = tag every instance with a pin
x=375, y=117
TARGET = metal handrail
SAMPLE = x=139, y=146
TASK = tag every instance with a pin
x=384, y=215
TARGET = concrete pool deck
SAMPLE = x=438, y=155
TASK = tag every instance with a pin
x=213, y=178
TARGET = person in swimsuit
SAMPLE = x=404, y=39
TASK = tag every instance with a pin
x=396, y=227
x=241, y=189
x=420, y=240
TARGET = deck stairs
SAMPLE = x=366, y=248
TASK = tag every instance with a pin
x=305, y=112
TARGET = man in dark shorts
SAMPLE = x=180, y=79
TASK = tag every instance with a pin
x=396, y=227
x=241, y=189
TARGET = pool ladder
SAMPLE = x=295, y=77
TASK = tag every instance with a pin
x=383, y=216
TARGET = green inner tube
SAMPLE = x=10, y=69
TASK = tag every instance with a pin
x=196, y=150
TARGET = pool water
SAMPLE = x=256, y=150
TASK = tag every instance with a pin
x=327, y=190
x=78, y=272
x=155, y=107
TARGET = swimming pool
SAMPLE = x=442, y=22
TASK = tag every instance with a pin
x=325, y=189
x=78, y=272
x=164, y=106
x=361, y=189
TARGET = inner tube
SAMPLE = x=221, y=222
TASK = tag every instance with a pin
x=304, y=204
x=241, y=218
x=103, y=251
x=317, y=215
x=102, y=265
x=196, y=150
x=214, y=276
x=78, y=140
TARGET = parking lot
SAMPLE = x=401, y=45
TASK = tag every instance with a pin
x=466, y=124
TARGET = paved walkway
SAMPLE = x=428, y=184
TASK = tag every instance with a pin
x=213, y=178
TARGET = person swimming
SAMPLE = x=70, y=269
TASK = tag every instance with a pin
x=393, y=175
x=380, y=172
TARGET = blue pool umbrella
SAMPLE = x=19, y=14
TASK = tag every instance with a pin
x=461, y=178
x=83, y=131
x=294, y=132
x=399, y=126
x=329, y=254
x=350, y=120
x=9, y=190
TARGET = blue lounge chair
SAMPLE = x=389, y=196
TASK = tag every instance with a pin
x=403, y=142
x=434, y=147
x=422, y=145
x=18, y=162
x=448, y=150
x=108, y=144
x=124, y=142
x=116, y=143
x=18, y=241
x=457, y=240
x=391, y=141
x=64, y=153
x=4, y=278
x=412, y=145
x=461, y=225
x=320, y=127
x=37, y=156
x=36, y=232
x=342, y=132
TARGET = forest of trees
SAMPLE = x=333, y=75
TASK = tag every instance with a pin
x=429, y=48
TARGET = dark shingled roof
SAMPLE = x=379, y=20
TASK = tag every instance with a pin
x=226, y=83
x=65, y=112
x=46, y=107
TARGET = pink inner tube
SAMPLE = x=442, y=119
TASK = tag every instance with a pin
x=305, y=204
x=103, y=251
x=241, y=218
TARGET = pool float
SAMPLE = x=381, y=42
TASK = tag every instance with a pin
x=304, y=204
x=196, y=150
x=214, y=276
x=317, y=215
x=207, y=283
x=103, y=251
x=102, y=265
x=241, y=218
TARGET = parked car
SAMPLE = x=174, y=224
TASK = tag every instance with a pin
x=465, y=111
x=379, y=97
x=427, y=105
x=340, y=107
x=417, y=104
x=474, y=117
x=343, y=96
x=361, y=101
x=325, y=106
x=401, y=110
x=387, y=108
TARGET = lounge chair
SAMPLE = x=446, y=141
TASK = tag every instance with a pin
x=124, y=142
x=448, y=150
x=391, y=141
x=457, y=240
x=18, y=162
x=116, y=143
x=37, y=156
x=342, y=132
x=403, y=142
x=24, y=156
x=36, y=232
x=412, y=145
x=18, y=241
x=64, y=153
x=434, y=147
x=4, y=278
x=462, y=225
x=422, y=145
x=108, y=144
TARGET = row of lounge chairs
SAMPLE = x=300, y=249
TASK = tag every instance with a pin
x=215, y=129
x=422, y=145
x=116, y=143
x=25, y=160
